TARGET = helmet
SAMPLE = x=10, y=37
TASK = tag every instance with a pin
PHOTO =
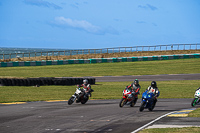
x=85, y=81
x=153, y=84
x=136, y=82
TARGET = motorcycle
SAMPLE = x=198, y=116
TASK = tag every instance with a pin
x=196, y=99
x=128, y=98
x=147, y=101
x=83, y=99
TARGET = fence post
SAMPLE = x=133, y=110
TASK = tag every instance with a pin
x=29, y=55
x=9, y=56
x=107, y=50
x=3, y=57
x=35, y=54
x=184, y=47
x=23, y=56
x=196, y=46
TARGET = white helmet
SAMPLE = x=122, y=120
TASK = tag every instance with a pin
x=85, y=81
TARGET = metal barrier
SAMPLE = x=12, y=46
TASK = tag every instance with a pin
x=101, y=51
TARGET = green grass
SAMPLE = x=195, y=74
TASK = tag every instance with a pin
x=106, y=69
x=172, y=130
x=102, y=90
x=195, y=113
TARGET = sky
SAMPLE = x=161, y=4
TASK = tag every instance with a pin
x=88, y=24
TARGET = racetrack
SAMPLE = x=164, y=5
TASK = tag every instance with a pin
x=95, y=116
x=164, y=77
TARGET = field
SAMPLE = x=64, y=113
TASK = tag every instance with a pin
x=181, y=66
x=102, y=90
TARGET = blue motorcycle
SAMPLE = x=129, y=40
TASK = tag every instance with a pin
x=147, y=101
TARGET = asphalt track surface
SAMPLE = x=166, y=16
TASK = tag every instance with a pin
x=96, y=116
x=164, y=77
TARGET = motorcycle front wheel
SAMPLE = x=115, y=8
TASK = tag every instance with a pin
x=122, y=102
x=71, y=100
x=194, y=102
x=142, y=106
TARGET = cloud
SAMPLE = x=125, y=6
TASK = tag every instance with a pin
x=148, y=6
x=82, y=25
x=42, y=3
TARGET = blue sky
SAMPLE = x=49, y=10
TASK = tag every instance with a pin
x=82, y=24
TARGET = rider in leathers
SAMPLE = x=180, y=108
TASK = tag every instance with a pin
x=154, y=89
x=86, y=89
x=135, y=90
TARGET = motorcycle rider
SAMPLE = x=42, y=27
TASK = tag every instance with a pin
x=154, y=89
x=135, y=89
x=86, y=89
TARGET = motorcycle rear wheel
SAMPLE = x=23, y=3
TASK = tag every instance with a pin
x=122, y=102
x=83, y=101
x=132, y=104
x=194, y=102
x=152, y=107
x=142, y=106
x=71, y=100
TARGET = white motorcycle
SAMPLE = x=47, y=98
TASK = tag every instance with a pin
x=196, y=99
x=83, y=99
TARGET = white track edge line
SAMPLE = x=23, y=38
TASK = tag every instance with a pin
x=152, y=122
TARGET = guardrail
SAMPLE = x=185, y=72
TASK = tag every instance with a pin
x=101, y=51
x=98, y=60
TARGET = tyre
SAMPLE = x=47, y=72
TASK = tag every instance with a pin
x=142, y=106
x=71, y=100
x=132, y=104
x=152, y=107
x=194, y=102
x=84, y=100
x=122, y=102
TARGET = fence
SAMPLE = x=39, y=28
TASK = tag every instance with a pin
x=101, y=51
x=98, y=60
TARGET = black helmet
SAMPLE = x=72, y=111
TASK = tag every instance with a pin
x=136, y=82
x=153, y=84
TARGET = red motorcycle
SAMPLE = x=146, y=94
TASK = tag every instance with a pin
x=128, y=98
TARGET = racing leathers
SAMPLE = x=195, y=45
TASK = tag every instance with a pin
x=86, y=90
x=155, y=91
x=135, y=89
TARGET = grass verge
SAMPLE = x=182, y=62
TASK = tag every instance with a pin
x=195, y=113
x=106, y=69
x=172, y=130
x=102, y=90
